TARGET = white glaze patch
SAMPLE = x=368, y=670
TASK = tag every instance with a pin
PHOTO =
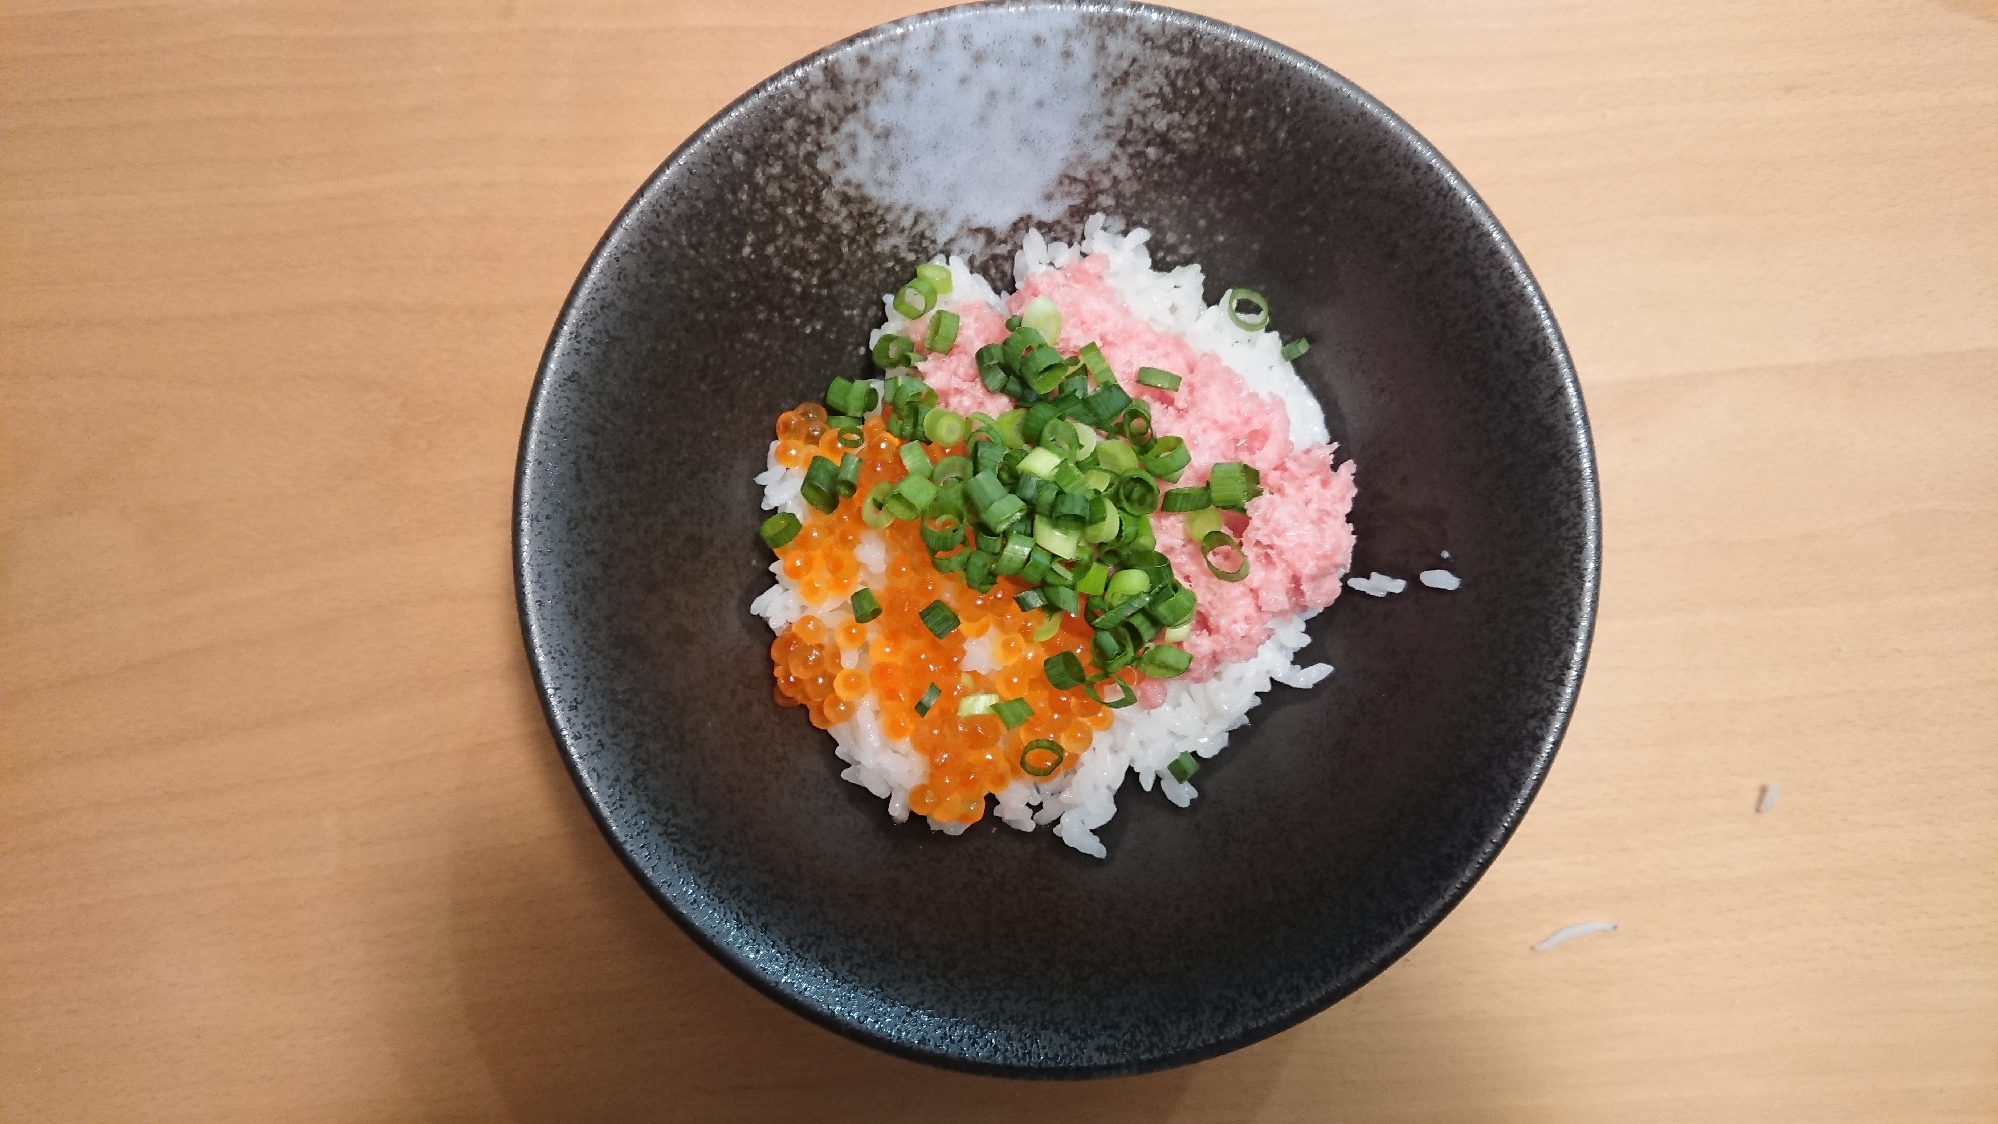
x=971, y=125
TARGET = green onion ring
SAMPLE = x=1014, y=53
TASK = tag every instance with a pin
x=1215, y=540
x=1124, y=699
x=892, y=351
x=925, y=298
x=1254, y=323
x=942, y=332
x=1034, y=752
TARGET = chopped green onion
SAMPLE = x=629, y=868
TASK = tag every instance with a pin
x=952, y=563
x=1109, y=648
x=1059, y=438
x=821, y=488
x=971, y=705
x=1107, y=404
x=1233, y=484
x=1136, y=534
x=1135, y=423
x=866, y=606
x=937, y=274
x=835, y=398
x=1085, y=439
x=1009, y=426
x=991, y=366
x=1043, y=369
x=942, y=332
x=1041, y=463
x=1176, y=610
x=1164, y=661
x=983, y=490
x=1036, y=421
x=779, y=529
x=1041, y=757
x=1071, y=479
x=1003, y=513
x=1167, y=458
x=1013, y=713
x=842, y=422
x=1215, y=540
x=850, y=437
x=1125, y=584
x=1057, y=541
x=916, y=459
x=1061, y=597
x=916, y=298
x=849, y=475
x=1116, y=456
x=1093, y=580
x=1153, y=376
x=1029, y=599
x=871, y=511
x=1039, y=562
x=938, y=618
x=892, y=351
x=1020, y=341
x=1071, y=511
x=1255, y=322
x=1102, y=526
x=1200, y=524
x=951, y=470
x=915, y=492
x=1119, y=613
x=944, y=427
x=1097, y=366
x=1295, y=348
x=1138, y=494
x=942, y=532
x=1183, y=767
x=1185, y=499
x=1064, y=671
x=1044, y=631
x=1014, y=557
x=1125, y=697
x=978, y=572
x=929, y=700
x=1042, y=316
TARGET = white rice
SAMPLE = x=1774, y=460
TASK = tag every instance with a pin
x=1195, y=718
x=1439, y=579
x=1562, y=936
x=1377, y=584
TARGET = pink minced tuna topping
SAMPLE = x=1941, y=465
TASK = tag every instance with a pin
x=1296, y=536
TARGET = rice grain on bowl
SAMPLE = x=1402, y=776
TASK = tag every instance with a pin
x=937, y=747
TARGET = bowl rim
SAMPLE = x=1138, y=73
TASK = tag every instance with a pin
x=1433, y=912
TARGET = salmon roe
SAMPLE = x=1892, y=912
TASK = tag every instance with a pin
x=831, y=663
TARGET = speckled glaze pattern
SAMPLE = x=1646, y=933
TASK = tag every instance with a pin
x=1341, y=825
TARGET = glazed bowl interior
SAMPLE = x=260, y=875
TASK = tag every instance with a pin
x=1340, y=825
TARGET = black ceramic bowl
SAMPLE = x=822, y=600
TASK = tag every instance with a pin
x=1343, y=823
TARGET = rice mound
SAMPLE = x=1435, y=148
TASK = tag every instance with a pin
x=1193, y=718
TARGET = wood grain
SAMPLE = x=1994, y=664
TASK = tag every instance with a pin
x=282, y=835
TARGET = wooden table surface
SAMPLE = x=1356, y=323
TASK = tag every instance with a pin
x=282, y=833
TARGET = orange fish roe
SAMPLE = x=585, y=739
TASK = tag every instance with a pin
x=831, y=664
